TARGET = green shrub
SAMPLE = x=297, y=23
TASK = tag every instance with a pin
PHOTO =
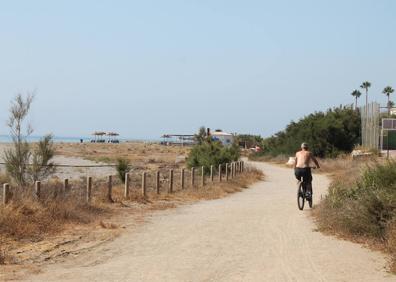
x=249, y=141
x=212, y=153
x=122, y=168
x=328, y=133
x=366, y=208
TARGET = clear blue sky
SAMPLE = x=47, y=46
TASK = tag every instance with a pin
x=144, y=68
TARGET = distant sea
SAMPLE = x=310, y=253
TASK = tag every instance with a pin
x=7, y=139
x=58, y=139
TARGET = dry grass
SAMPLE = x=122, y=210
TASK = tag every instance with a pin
x=32, y=219
x=4, y=178
x=25, y=220
x=360, y=204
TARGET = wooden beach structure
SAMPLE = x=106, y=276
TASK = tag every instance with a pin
x=178, y=139
x=112, y=137
x=99, y=137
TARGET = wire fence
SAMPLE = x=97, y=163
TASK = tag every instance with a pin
x=370, y=118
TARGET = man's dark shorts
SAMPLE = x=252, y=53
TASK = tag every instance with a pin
x=303, y=174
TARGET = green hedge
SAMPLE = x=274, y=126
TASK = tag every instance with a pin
x=328, y=133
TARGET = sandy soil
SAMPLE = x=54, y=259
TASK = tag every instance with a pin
x=73, y=172
x=256, y=235
x=141, y=155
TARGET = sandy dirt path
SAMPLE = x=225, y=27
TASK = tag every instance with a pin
x=255, y=235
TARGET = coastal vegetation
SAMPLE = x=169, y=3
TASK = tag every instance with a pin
x=17, y=158
x=208, y=152
x=361, y=204
x=122, y=167
x=330, y=133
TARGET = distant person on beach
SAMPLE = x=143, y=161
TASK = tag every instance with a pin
x=302, y=170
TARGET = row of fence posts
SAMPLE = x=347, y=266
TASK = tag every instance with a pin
x=231, y=170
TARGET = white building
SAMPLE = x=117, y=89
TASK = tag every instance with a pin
x=225, y=138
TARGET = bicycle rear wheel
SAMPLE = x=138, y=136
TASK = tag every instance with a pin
x=310, y=197
x=310, y=201
x=300, y=196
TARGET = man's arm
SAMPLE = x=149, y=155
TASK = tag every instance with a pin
x=295, y=160
x=315, y=161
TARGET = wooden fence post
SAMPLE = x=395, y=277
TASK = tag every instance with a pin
x=226, y=171
x=211, y=173
x=110, y=188
x=6, y=193
x=126, y=188
x=192, y=176
x=66, y=185
x=89, y=189
x=182, y=178
x=203, y=176
x=157, y=182
x=37, y=188
x=144, y=184
x=219, y=172
x=243, y=166
x=233, y=169
x=170, y=181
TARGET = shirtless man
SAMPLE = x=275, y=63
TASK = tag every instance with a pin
x=302, y=169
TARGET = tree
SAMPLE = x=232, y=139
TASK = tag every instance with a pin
x=201, y=136
x=366, y=85
x=17, y=157
x=42, y=166
x=356, y=93
x=387, y=91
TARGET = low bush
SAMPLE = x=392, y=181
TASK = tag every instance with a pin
x=363, y=208
x=212, y=153
x=122, y=168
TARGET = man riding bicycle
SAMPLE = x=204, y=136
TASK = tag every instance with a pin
x=302, y=170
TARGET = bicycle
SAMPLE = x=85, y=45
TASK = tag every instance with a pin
x=302, y=195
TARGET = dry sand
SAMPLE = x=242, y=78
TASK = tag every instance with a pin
x=255, y=235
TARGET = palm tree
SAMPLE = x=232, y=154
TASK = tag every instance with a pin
x=366, y=85
x=387, y=91
x=356, y=93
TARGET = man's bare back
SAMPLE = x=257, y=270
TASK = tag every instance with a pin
x=303, y=159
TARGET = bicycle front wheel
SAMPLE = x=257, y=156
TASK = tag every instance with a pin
x=300, y=196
